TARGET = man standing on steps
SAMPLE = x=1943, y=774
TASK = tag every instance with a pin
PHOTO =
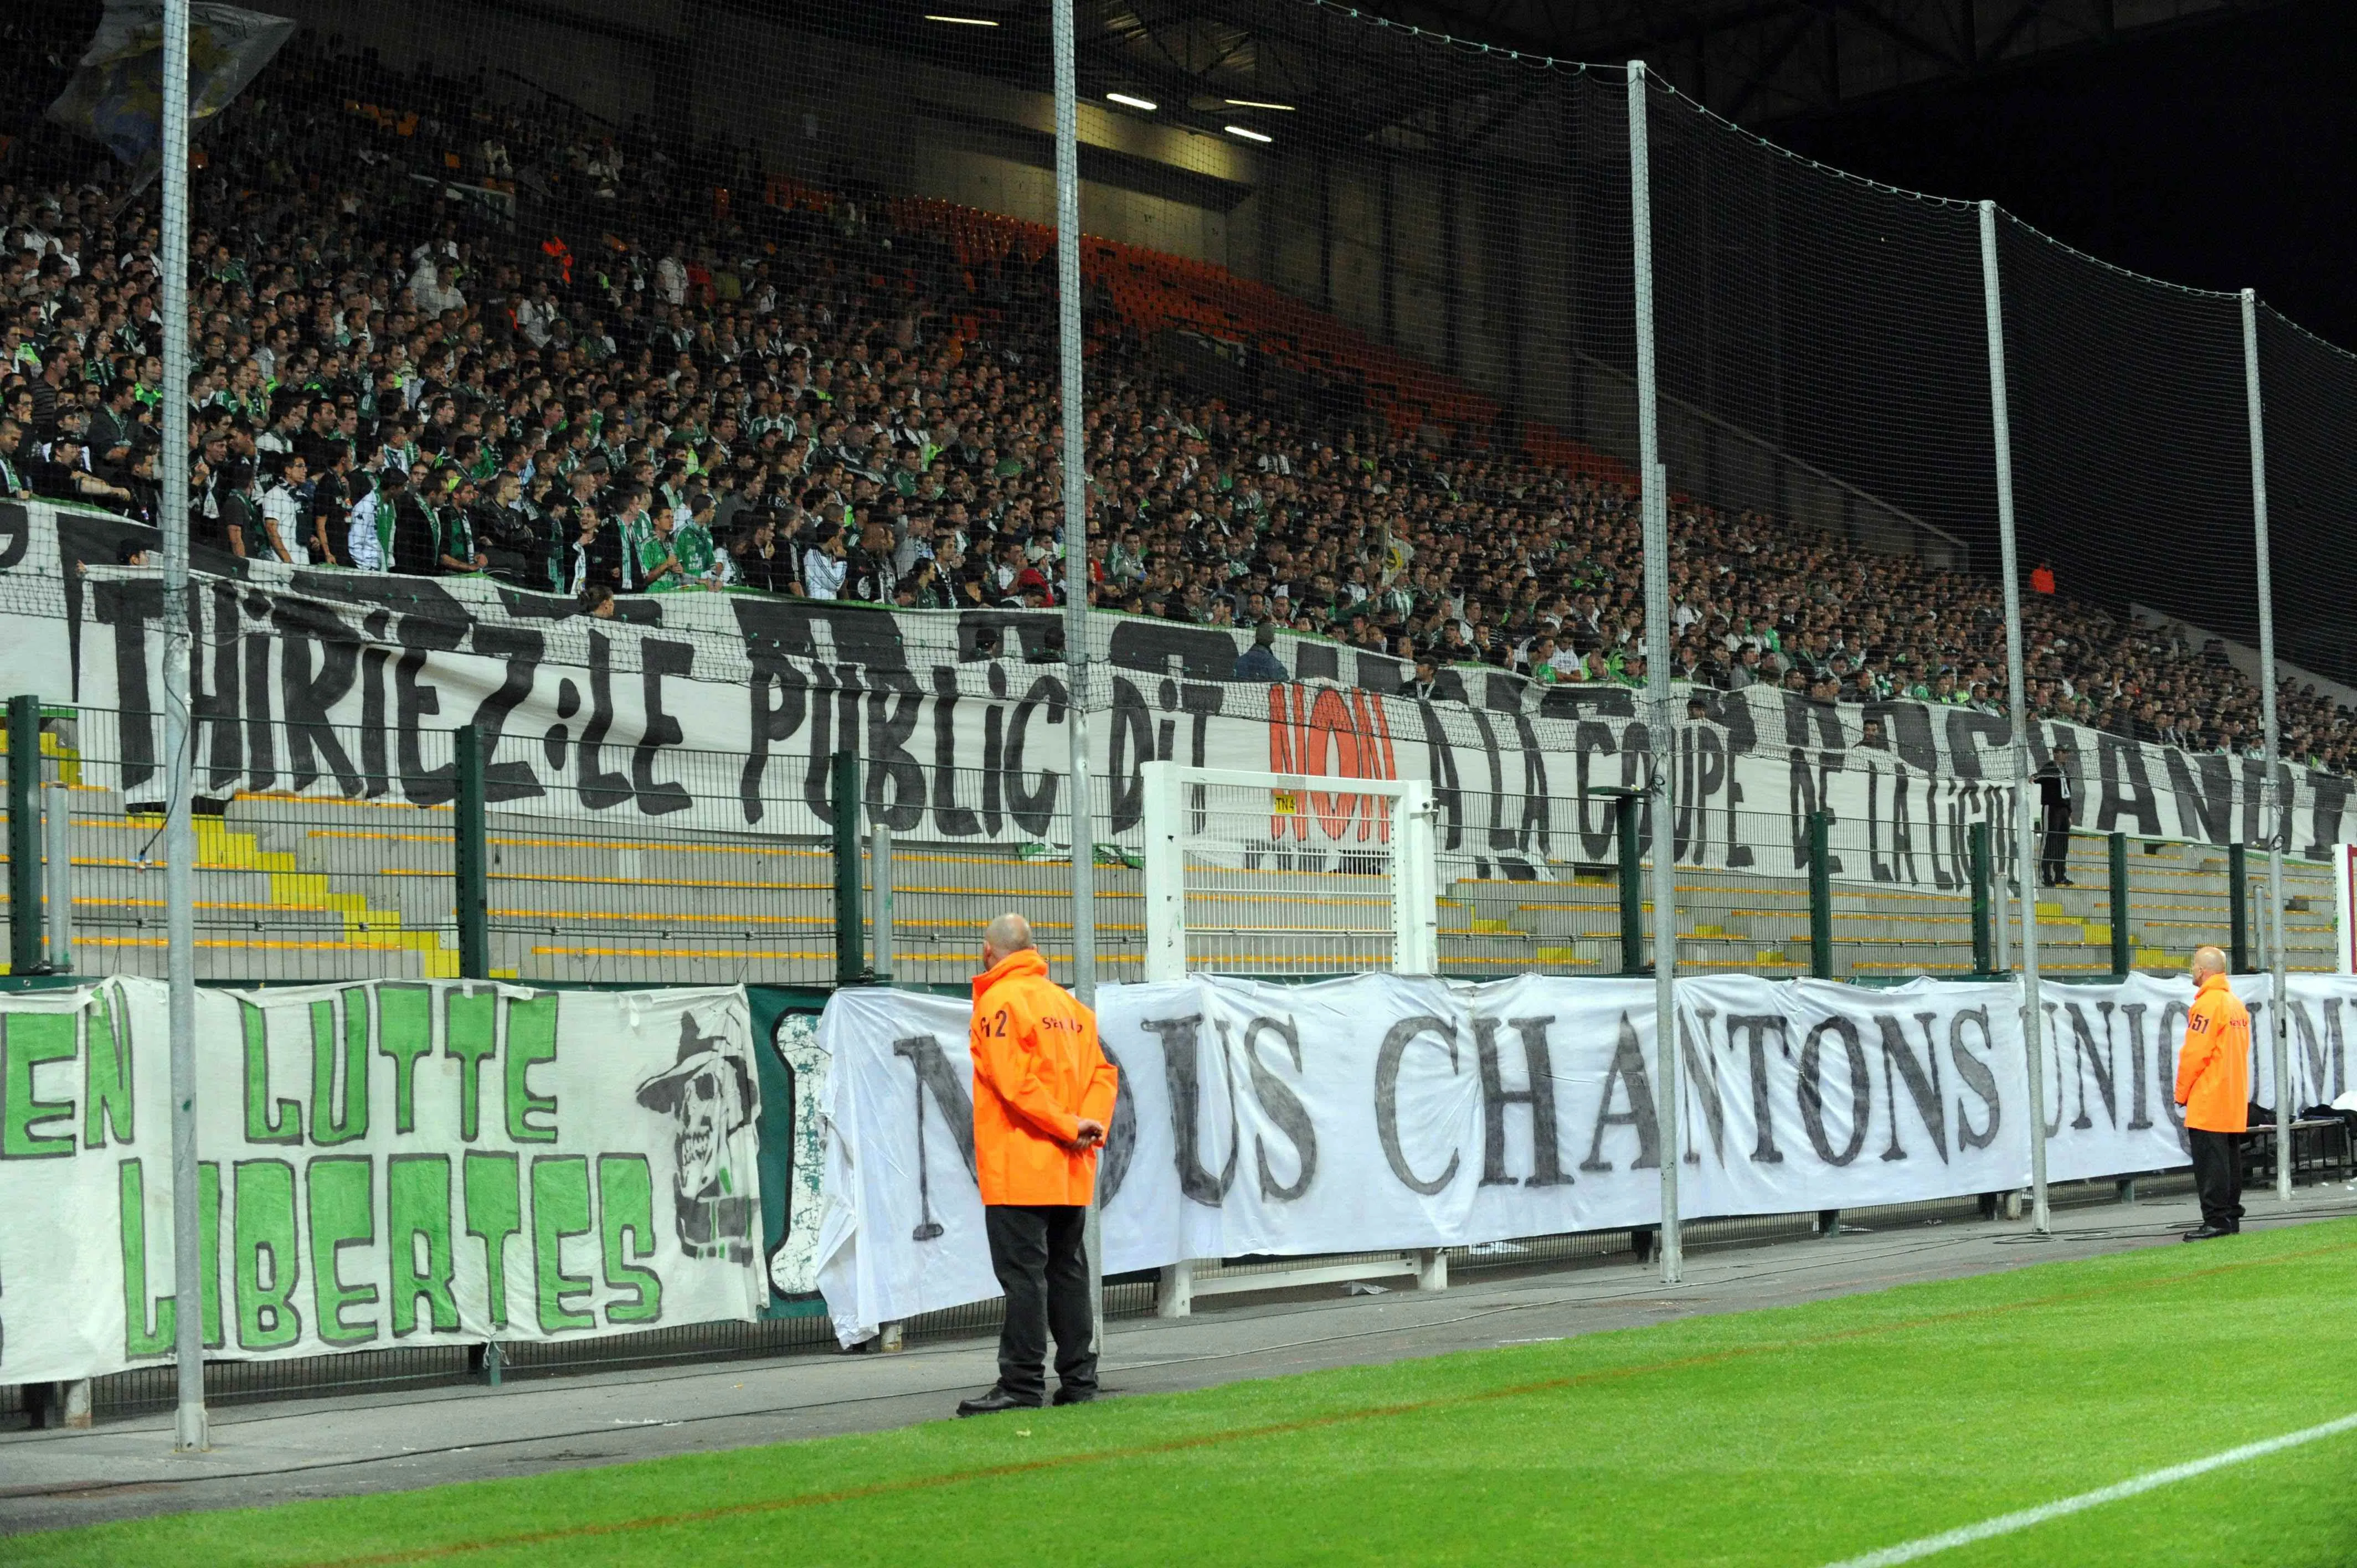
x=2054, y=809
x=2213, y=1084
x=1043, y=1095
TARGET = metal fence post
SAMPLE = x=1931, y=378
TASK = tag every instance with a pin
x=2122, y=951
x=1632, y=884
x=1821, y=895
x=1065, y=48
x=2238, y=908
x=470, y=857
x=1661, y=709
x=880, y=918
x=2273, y=805
x=1976, y=841
x=2001, y=894
x=1075, y=499
x=1632, y=880
x=57, y=818
x=192, y=1424
x=2026, y=852
x=25, y=835
x=850, y=938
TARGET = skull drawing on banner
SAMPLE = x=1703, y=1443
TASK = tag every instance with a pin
x=709, y=1091
x=793, y=1262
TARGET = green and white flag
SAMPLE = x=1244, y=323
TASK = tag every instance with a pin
x=383, y=1164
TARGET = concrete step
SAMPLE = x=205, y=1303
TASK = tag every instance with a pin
x=1739, y=965
x=1722, y=951
x=1898, y=951
x=1488, y=945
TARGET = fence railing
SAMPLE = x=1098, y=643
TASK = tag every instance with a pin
x=421, y=865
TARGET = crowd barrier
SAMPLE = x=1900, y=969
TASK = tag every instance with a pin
x=392, y=1164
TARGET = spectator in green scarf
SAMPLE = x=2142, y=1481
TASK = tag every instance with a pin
x=692, y=543
x=653, y=548
x=453, y=530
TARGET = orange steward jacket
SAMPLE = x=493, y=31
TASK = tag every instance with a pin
x=1038, y=1069
x=2213, y=1067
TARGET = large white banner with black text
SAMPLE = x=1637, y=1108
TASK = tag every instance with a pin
x=1380, y=1111
x=723, y=709
x=2111, y=1064
x=1383, y=1111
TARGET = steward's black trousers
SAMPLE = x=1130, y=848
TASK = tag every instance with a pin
x=2218, y=1177
x=2055, y=854
x=1036, y=1251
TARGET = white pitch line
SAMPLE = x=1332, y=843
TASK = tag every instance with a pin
x=2005, y=1524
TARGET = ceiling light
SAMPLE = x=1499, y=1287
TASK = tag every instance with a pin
x=965, y=21
x=1256, y=103
x=1247, y=132
x=1146, y=103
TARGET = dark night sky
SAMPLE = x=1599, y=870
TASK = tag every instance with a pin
x=2218, y=156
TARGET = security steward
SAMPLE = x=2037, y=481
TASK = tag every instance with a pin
x=2054, y=810
x=1043, y=1095
x=2214, y=1085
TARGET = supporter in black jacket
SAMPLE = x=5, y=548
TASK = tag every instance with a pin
x=512, y=537
x=457, y=525
x=601, y=553
x=115, y=431
x=761, y=560
x=870, y=578
x=62, y=476
x=412, y=548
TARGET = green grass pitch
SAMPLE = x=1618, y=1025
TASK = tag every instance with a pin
x=1798, y=1436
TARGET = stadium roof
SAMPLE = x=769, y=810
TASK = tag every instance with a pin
x=1760, y=60
x=1756, y=61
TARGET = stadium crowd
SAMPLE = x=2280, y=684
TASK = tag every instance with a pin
x=661, y=390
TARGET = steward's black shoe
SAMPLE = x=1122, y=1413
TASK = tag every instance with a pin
x=995, y=1399
x=1073, y=1396
x=2206, y=1233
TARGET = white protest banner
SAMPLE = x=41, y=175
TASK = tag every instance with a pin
x=1383, y=1111
x=722, y=710
x=1809, y=1094
x=2320, y=1010
x=2111, y=1072
x=2111, y=1064
x=83, y=1096
x=383, y=1164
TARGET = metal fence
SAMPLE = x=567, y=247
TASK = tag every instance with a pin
x=327, y=878
x=657, y=895
x=330, y=878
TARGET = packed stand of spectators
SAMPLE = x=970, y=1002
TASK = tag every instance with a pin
x=657, y=389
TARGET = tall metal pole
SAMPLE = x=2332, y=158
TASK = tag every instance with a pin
x=1076, y=568
x=57, y=822
x=2016, y=702
x=2001, y=895
x=2275, y=815
x=191, y=1430
x=1654, y=493
x=25, y=833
